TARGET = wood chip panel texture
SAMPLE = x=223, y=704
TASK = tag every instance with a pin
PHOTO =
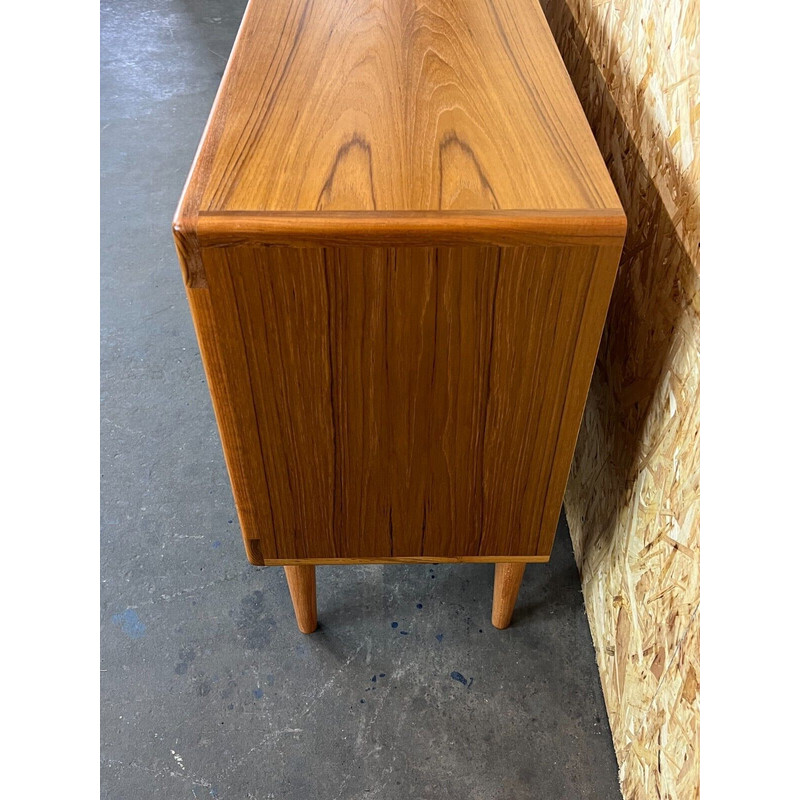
x=632, y=499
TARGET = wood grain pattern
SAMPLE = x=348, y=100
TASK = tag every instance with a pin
x=399, y=242
x=397, y=105
x=401, y=402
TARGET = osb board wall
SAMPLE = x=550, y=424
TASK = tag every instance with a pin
x=632, y=501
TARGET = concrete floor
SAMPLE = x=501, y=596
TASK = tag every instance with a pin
x=208, y=689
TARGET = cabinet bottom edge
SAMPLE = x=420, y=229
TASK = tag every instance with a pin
x=280, y=562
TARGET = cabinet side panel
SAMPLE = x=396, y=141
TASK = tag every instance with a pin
x=549, y=313
x=404, y=402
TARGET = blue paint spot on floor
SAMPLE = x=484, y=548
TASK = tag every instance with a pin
x=382, y=675
x=419, y=605
x=230, y=522
x=457, y=676
x=258, y=693
x=374, y=678
x=404, y=633
x=394, y=624
x=130, y=623
x=439, y=637
x=216, y=544
x=362, y=700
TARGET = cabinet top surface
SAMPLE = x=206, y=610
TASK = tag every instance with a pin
x=397, y=106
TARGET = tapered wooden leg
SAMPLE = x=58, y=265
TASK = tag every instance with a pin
x=507, y=578
x=302, y=582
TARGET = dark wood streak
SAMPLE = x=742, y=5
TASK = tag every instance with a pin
x=336, y=494
x=487, y=394
x=391, y=270
x=436, y=279
x=449, y=140
x=355, y=142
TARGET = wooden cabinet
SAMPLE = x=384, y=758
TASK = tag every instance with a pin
x=399, y=242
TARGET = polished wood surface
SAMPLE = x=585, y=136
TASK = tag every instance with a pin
x=507, y=580
x=303, y=590
x=395, y=106
x=398, y=105
x=399, y=243
x=400, y=402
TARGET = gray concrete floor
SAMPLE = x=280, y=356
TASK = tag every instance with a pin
x=208, y=689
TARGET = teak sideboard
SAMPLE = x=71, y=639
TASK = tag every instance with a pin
x=398, y=240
